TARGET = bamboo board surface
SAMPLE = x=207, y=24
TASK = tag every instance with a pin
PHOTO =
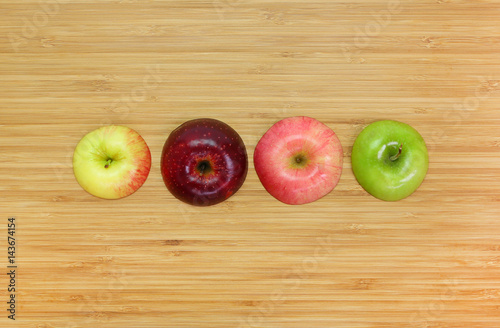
x=347, y=260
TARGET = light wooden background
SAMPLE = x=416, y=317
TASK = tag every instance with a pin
x=346, y=261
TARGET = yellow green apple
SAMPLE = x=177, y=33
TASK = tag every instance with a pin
x=111, y=162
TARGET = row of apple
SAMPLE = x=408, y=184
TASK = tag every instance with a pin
x=298, y=160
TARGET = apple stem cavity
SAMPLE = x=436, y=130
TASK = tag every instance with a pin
x=299, y=161
x=204, y=167
x=395, y=157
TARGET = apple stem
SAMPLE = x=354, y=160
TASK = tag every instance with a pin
x=395, y=157
x=108, y=163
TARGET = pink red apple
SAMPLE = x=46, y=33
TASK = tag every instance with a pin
x=299, y=160
x=111, y=162
x=204, y=162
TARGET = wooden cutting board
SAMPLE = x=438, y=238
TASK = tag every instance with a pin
x=347, y=260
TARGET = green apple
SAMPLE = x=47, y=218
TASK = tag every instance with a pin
x=389, y=159
x=111, y=162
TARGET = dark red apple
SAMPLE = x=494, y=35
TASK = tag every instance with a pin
x=204, y=162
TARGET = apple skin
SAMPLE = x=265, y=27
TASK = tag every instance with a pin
x=299, y=160
x=204, y=162
x=387, y=179
x=111, y=162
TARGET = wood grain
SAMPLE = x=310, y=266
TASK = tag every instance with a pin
x=347, y=260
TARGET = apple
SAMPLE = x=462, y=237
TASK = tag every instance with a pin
x=389, y=159
x=204, y=162
x=298, y=160
x=111, y=162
